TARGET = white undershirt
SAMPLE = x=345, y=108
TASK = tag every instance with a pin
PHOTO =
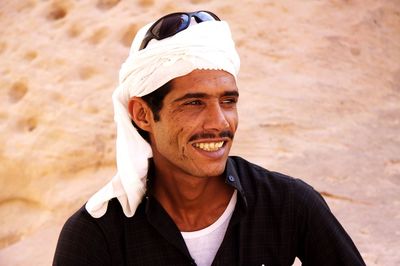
x=204, y=244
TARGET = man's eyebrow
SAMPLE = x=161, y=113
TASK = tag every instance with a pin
x=231, y=93
x=191, y=96
x=201, y=95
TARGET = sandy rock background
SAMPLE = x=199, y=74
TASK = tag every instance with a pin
x=320, y=100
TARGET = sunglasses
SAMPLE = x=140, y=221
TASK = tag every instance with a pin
x=173, y=23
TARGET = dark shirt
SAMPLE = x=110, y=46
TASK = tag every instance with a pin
x=276, y=219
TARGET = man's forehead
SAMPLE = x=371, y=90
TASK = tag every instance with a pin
x=201, y=83
x=199, y=77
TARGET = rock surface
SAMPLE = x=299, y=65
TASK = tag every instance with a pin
x=320, y=100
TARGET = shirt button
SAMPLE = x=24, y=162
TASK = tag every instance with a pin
x=231, y=178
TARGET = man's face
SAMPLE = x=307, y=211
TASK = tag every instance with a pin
x=197, y=123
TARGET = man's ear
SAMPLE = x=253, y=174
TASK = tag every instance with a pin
x=140, y=113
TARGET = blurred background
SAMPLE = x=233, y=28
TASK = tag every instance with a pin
x=319, y=100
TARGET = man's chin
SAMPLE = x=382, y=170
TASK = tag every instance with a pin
x=211, y=169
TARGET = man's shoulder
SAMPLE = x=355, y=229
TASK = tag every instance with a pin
x=248, y=171
x=82, y=221
x=255, y=178
x=85, y=240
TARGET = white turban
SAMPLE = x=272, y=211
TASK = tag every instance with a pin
x=207, y=45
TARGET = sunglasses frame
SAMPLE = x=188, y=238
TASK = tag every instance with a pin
x=150, y=35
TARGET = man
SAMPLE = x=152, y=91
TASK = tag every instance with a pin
x=178, y=198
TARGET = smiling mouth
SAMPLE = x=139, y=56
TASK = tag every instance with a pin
x=209, y=146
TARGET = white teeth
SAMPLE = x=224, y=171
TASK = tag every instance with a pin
x=209, y=146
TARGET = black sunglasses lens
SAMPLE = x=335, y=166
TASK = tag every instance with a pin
x=170, y=25
x=206, y=16
x=173, y=23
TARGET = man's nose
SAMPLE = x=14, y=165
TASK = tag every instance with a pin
x=215, y=118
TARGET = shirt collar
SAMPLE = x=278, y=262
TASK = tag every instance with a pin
x=232, y=178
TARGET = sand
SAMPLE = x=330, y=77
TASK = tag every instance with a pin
x=319, y=100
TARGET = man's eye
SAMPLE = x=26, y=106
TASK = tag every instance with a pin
x=195, y=102
x=229, y=101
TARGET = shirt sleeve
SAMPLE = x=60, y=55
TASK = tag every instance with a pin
x=81, y=242
x=321, y=238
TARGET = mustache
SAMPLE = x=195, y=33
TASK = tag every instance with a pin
x=205, y=135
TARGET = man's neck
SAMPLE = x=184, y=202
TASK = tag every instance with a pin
x=192, y=202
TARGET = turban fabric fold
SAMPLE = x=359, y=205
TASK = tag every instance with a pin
x=207, y=45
